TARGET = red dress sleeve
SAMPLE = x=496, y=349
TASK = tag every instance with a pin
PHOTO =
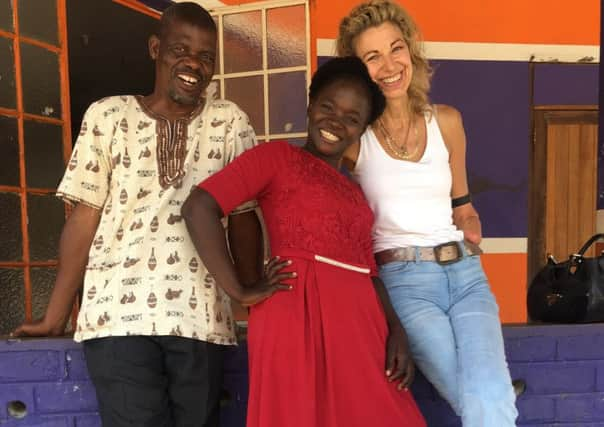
x=246, y=177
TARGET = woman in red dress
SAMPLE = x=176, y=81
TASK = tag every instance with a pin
x=326, y=348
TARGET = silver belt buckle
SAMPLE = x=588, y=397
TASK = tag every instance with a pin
x=442, y=253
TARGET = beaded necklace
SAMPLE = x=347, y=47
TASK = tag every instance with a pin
x=400, y=152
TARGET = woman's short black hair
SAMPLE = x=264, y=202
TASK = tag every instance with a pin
x=348, y=67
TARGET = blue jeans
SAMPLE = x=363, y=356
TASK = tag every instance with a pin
x=452, y=321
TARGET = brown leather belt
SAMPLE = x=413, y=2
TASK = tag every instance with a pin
x=446, y=253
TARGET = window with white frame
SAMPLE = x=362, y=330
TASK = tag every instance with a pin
x=263, y=65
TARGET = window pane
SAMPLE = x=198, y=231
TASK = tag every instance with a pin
x=286, y=36
x=46, y=218
x=11, y=246
x=12, y=299
x=242, y=42
x=44, y=163
x=287, y=102
x=41, y=83
x=38, y=20
x=7, y=74
x=9, y=151
x=6, y=15
x=247, y=92
x=42, y=282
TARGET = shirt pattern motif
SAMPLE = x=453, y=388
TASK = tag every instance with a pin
x=144, y=276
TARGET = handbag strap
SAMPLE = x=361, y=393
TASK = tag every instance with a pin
x=587, y=244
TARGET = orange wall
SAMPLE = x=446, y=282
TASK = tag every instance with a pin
x=489, y=21
x=507, y=276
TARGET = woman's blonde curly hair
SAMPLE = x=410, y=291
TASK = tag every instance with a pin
x=373, y=14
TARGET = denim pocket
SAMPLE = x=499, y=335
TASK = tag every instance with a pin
x=395, y=267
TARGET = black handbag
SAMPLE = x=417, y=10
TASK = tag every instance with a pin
x=570, y=291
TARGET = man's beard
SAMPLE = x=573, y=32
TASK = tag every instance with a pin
x=183, y=99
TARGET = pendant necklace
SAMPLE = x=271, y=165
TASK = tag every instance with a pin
x=400, y=152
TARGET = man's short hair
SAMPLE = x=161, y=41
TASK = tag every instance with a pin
x=186, y=12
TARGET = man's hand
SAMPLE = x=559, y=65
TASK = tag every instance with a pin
x=74, y=246
x=40, y=328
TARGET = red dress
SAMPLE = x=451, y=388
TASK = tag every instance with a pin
x=317, y=352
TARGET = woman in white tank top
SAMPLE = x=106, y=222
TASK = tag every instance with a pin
x=411, y=165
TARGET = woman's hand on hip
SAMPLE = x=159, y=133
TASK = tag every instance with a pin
x=271, y=282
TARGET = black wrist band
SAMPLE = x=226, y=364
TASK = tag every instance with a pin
x=463, y=200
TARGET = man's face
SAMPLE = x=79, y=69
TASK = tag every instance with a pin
x=184, y=62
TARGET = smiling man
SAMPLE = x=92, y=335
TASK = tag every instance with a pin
x=153, y=323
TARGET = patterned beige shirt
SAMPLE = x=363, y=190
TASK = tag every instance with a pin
x=143, y=275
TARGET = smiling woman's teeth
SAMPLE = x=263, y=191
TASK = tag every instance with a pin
x=328, y=135
x=393, y=78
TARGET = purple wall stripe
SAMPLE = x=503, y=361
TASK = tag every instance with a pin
x=493, y=99
x=566, y=84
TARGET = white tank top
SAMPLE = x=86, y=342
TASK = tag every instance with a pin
x=411, y=201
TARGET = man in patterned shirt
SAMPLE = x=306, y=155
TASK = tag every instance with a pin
x=152, y=321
